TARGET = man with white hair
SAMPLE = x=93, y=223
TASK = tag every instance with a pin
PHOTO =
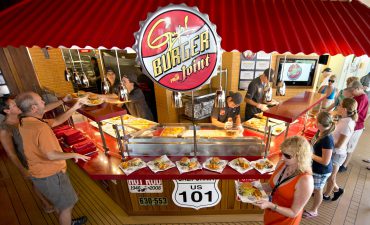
x=45, y=158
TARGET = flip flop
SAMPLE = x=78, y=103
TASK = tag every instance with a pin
x=366, y=160
x=49, y=210
x=307, y=215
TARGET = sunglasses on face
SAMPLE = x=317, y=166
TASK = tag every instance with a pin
x=331, y=81
x=287, y=156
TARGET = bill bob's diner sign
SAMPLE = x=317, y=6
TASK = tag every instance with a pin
x=178, y=48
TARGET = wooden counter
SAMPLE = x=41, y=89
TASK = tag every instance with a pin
x=294, y=107
x=105, y=171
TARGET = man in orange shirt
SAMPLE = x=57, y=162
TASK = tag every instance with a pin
x=45, y=158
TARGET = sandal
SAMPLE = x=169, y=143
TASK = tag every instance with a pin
x=307, y=215
x=49, y=210
x=366, y=160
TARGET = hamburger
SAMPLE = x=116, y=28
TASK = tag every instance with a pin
x=93, y=97
x=184, y=161
x=215, y=160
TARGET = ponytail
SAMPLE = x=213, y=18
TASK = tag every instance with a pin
x=351, y=106
x=325, y=119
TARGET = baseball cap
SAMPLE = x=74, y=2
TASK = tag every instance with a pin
x=131, y=77
x=327, y=70
x=236, y=96
x=269, y=73
x=109, y=69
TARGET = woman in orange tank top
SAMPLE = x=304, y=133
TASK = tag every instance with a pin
x=291, y=184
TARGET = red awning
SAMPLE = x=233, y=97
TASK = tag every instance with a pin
x=308, y=26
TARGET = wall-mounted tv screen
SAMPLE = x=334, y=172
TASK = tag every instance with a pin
x=296, y=72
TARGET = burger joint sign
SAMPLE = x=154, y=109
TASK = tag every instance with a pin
x=178, y=48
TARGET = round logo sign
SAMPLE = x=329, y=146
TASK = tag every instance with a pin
x=178, y=48
x=294, y=71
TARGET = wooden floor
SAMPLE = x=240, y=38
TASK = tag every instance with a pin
x=23, y=208
x=19, y=205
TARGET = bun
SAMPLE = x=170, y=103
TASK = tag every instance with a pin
x=93, y=97
x=215, y=160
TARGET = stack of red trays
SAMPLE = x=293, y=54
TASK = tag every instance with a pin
x=59, y=131
x=84, y=147
x=73, y=136
x=310, y=133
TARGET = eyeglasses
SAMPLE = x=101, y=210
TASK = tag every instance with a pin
x=287, y=156
x=331, y=81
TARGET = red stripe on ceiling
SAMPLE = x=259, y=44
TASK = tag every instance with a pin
x=308, y=26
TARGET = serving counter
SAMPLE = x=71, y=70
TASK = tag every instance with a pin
x=169, y=192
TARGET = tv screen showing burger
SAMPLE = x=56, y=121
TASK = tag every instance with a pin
x=296, y=72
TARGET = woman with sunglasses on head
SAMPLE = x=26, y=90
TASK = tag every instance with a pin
x=323, y=146
x=291, y=184
x=330, y=91
x=344, y=129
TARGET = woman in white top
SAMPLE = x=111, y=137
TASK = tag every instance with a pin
x=344, y=129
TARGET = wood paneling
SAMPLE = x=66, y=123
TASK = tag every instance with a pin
x=228, y=204
x=18, y=70
x=50, y=71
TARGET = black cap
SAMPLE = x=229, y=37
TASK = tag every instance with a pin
x=269, y=73
x=327, y=70
x=109, y=69
x=131, y=77
x=236, y=96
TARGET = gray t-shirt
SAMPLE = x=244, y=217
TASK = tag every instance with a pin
x=222, y=114
x=256, y=93
x=137, y=105
x=365, y=81
x=17, y=140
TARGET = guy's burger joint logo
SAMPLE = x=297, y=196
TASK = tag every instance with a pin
x=178, y=48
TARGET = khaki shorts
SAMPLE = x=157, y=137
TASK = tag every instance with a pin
x=338, y=159
x=57, y=189
x=352, y=143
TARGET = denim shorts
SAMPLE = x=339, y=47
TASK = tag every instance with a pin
x=57, y=189
x=319, y=180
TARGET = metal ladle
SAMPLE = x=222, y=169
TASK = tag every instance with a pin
x=85, y=81
x=281, y=86
x=75, y=76
x=67, y=75
x=177, y=100
x=105, y=83
x=122, y=90
x=220, y=99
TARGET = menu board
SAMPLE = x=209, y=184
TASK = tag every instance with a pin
x=251, y=66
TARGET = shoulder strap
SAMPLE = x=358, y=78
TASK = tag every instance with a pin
x=280, y=182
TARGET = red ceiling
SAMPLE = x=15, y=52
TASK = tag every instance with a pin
x=308, y=26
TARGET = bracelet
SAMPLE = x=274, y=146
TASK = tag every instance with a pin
x=275, y=207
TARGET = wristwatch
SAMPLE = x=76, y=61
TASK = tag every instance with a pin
x=275, y=207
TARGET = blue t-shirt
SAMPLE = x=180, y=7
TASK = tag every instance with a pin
x=326, y=142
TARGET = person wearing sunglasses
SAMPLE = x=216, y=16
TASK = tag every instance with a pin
x=330, y=92
x=291, y=184
x=322, y=166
